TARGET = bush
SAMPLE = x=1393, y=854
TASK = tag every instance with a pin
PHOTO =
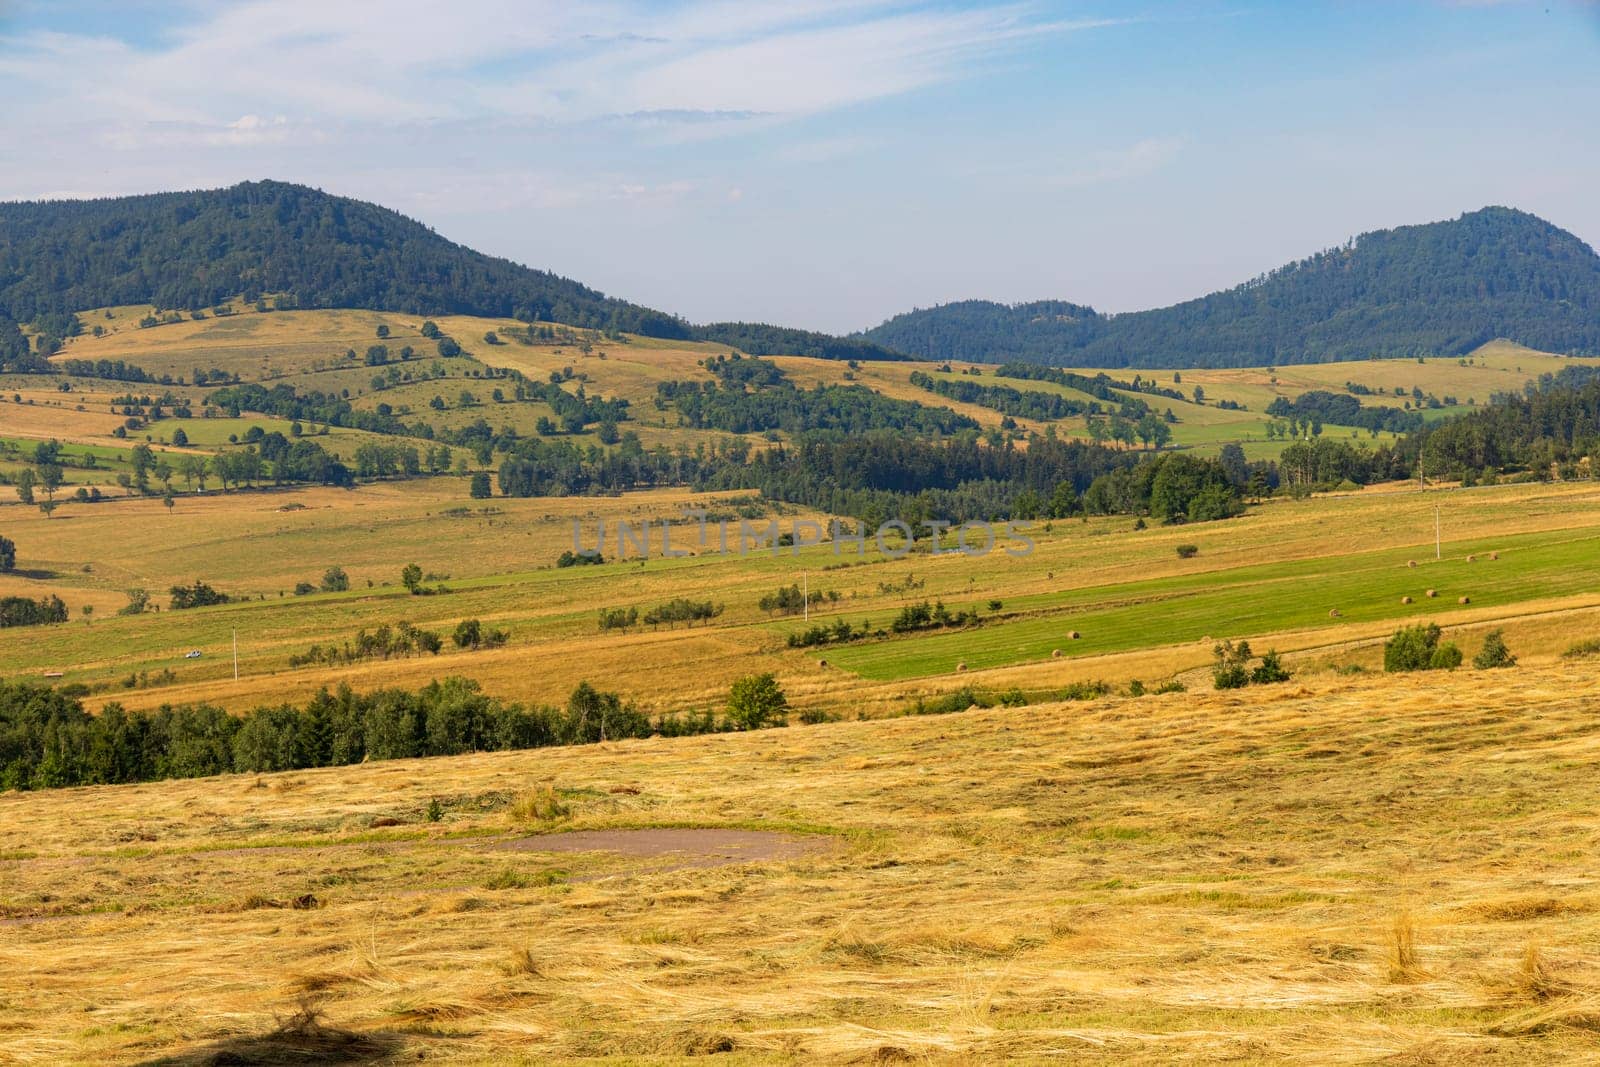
x=335, y=580
x=470, y=633
x=756, y=700
x=198, y=595
x=304, y=588
x=8, y=554
x=1188, y=551
x=1271, y=670
x=1412, y=648
x=1231, y=670
x=1582, y=649
x=1495, y=653
x=1447, y=657
x=579, y=559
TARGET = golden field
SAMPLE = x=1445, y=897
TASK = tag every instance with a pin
x=1326, y=871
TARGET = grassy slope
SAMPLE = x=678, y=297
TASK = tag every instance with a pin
x=1193, y=877
x=1272, y=576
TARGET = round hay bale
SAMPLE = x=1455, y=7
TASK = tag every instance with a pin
x=1433, y=592
x=1463, y=600
x=822, y=663
x=1411, y=563
x=1055, y=653
x=1494, y=555
x=961, y=667
x=1405, y=600
x=1206, y=640
x=1072, y=635
x=1472, y=559
x=1333, y=613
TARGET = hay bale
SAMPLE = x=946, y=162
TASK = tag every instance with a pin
x=1433, y=593
x=961, y=666
x=1055, y=653
x=1494, y=555
x=1463, y=600
x=1472, y=559
x=1333, y=613
x=1411, y=563
x=1072, y=635
x=822, y=663
x=1405, y=600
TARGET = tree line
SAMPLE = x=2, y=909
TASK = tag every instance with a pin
x=48, y=740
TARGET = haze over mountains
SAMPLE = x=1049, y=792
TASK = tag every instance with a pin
x=1435, y=289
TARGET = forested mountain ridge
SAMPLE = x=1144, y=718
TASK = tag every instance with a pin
x=192, y=250
x=1440, y=288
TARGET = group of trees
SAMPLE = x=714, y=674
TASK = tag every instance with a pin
x=772, y=402
x=196, y=595
x=25, y=611
x=48, y=739
x=1031, y=404
x=1172, y=488
x=1340, y=409
x=1554, y=423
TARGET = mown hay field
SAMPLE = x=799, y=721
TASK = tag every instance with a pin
x=1330, y=870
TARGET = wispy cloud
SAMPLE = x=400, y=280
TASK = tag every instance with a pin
x=408, y=60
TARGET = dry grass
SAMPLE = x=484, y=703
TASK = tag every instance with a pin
x=1193, y=876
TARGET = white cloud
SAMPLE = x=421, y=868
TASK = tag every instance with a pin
x=410, y=60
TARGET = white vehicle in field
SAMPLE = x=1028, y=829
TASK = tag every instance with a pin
x=192, y=654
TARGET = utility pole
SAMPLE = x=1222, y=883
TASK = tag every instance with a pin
x=1436, y=548
x=805, y=593
x=236, y=655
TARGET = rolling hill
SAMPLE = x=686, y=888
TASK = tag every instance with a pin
x=191, y=250
x=1440, y=289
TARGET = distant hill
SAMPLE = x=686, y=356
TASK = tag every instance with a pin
x=1442, y=288
x=191, y=250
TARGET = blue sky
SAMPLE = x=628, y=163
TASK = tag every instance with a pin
x=827, y=164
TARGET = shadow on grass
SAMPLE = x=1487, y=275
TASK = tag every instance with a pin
x=302, y=1038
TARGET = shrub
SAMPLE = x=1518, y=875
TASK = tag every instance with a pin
x=1085, y=690
x=335, y=580
x=579, y=559
x=618, y=618
x=8, y=554
x=1231, y=670
x=756, y=700
x=1582, y=649
x=1411, y=648
x=1447, y=657
x=304, y=588
x=1271, y=670
x=470, y=633
x=1188, y=551
x=1495, y=653
x=198, y=595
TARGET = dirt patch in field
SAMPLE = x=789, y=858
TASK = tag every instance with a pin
x=681, y=847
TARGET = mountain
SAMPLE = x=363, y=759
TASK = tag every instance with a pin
x=1441, y=288
x=191, y=250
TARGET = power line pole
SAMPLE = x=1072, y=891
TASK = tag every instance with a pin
x=1436, y=548
x=236, y=655
x=805, y=593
